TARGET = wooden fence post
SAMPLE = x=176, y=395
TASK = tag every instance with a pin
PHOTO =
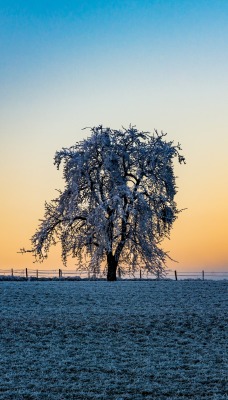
x=12, y=272
x=140, y=274
x=37, y=274
x=119, y=273
x=203, y=275
x=60, y=273
x=175, y=272
x=26, y=273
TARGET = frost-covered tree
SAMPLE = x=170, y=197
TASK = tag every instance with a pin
x=118, y=201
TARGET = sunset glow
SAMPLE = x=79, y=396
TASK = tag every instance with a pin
x=155, y=64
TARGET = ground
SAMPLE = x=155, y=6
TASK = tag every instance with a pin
x=113, y=340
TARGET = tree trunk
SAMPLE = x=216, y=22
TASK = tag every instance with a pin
x=112, y=267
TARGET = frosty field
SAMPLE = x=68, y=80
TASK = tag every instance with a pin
x=114, y=341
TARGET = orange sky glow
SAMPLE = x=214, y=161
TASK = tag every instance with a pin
x=63, y=70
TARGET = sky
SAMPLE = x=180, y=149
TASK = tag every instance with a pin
x=154, y=64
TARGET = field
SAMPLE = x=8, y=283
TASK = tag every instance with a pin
x=113, y=341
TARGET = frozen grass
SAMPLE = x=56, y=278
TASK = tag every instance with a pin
x=121, y=340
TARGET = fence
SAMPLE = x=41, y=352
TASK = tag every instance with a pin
x=59, y=273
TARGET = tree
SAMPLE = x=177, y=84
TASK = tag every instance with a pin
x=118, y=202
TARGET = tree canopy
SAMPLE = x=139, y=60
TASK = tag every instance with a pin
x=118, y=201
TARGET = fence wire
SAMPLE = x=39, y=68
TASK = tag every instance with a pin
x=62, y=273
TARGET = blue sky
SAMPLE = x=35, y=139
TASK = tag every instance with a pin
x=156, y=64
x=122, y=39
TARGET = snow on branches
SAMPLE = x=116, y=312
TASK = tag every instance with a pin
x=118, y=202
